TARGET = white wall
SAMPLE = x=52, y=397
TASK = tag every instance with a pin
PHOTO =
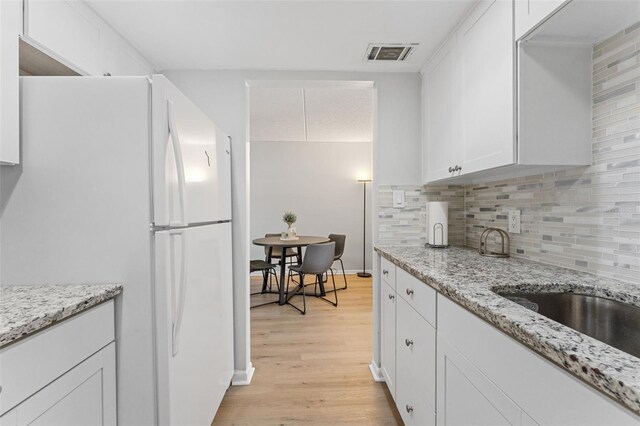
x=317, y=181
x=396, y=151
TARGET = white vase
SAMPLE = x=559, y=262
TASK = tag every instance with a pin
x=291, y=232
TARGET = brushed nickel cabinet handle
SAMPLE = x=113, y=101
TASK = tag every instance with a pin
x=409, y=292
x=391, y=297
x=385, y=272
x=409, y=408
x=408, y=342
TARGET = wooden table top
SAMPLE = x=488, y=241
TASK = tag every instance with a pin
x=300, y=242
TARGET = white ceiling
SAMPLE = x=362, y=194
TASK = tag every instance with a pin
x=280, y=35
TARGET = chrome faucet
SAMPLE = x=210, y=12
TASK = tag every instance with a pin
x=503, y=236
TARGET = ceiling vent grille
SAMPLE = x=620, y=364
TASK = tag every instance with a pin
x=389, y=51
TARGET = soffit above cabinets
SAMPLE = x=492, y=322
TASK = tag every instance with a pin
x=312, y=114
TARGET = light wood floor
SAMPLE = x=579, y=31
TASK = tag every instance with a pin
x=311, y=369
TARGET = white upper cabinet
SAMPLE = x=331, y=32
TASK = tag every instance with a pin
x=494, y=107
x=10, y=29
x=73, y=34
x=487, y=85
x=530, y=13
x=66, y=31
x=54, y=37
x=118, y=58
x=440, y=130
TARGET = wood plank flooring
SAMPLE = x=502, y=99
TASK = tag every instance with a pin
x=311, y=369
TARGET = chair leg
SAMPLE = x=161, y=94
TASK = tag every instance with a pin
x=334, y=291
x=344, y=275
x=303, y=311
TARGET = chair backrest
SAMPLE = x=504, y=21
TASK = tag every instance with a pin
x=318, y=258
x=339, y=239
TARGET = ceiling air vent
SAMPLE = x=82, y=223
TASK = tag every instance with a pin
x=390, y=51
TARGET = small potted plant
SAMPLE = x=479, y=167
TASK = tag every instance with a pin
x=290, y=218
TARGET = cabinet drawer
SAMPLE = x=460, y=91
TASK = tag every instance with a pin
x=30, y=364
x=415, y=367
x=418, y=294
x=388, y=271
x=63, y=29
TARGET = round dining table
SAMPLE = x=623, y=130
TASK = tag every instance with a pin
x=271, y=242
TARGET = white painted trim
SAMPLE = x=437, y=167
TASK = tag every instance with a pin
x=243, y=377
x=376, y=372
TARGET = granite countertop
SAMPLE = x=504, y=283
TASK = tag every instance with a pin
x=26, y=309
x=468, y=279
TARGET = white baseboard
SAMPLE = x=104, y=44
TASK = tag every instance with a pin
x=376, y=372
x=243, y=377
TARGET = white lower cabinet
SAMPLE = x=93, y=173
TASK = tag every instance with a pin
x=415, y=367
x=446, y=366
x=487, y=377
x=466, y=396
x=72, y=382
x=388, y=337
x=85, y=395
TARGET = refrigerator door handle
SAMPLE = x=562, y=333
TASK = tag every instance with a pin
x=176, y=323
x=177, y=154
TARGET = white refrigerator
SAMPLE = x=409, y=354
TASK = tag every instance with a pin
x=125, y=180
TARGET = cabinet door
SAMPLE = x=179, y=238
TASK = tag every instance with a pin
x=118, y=58
x=466, y=396
x=388, y=337
x=415, y=367
x=439, y=104
x=530, y=13
x=487, y=86
x=85, y=395
x=10, y=25
x=66, y=31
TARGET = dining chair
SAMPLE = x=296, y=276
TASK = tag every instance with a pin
x=268, y=272
x=339, y=239
x=276, y=253
x=318, y=259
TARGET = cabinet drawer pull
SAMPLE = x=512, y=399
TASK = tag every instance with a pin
x=457, y=168
x=385, y=272
x=409, y=408
x=391, y=297
x=409, y=292
x=408, y=342
x=450, y=169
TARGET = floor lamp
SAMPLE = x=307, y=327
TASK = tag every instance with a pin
x=364, y=273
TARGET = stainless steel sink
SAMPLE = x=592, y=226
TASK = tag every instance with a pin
x=612, y=322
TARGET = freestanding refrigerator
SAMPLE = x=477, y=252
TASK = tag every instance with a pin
x=124, y=180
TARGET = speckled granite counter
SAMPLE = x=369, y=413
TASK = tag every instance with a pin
x=27, y=309
x=467, y=278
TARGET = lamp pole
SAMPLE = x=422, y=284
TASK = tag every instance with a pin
x=364, y=273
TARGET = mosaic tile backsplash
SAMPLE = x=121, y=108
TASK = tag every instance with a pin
x=408, y=225
x=584, y=218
